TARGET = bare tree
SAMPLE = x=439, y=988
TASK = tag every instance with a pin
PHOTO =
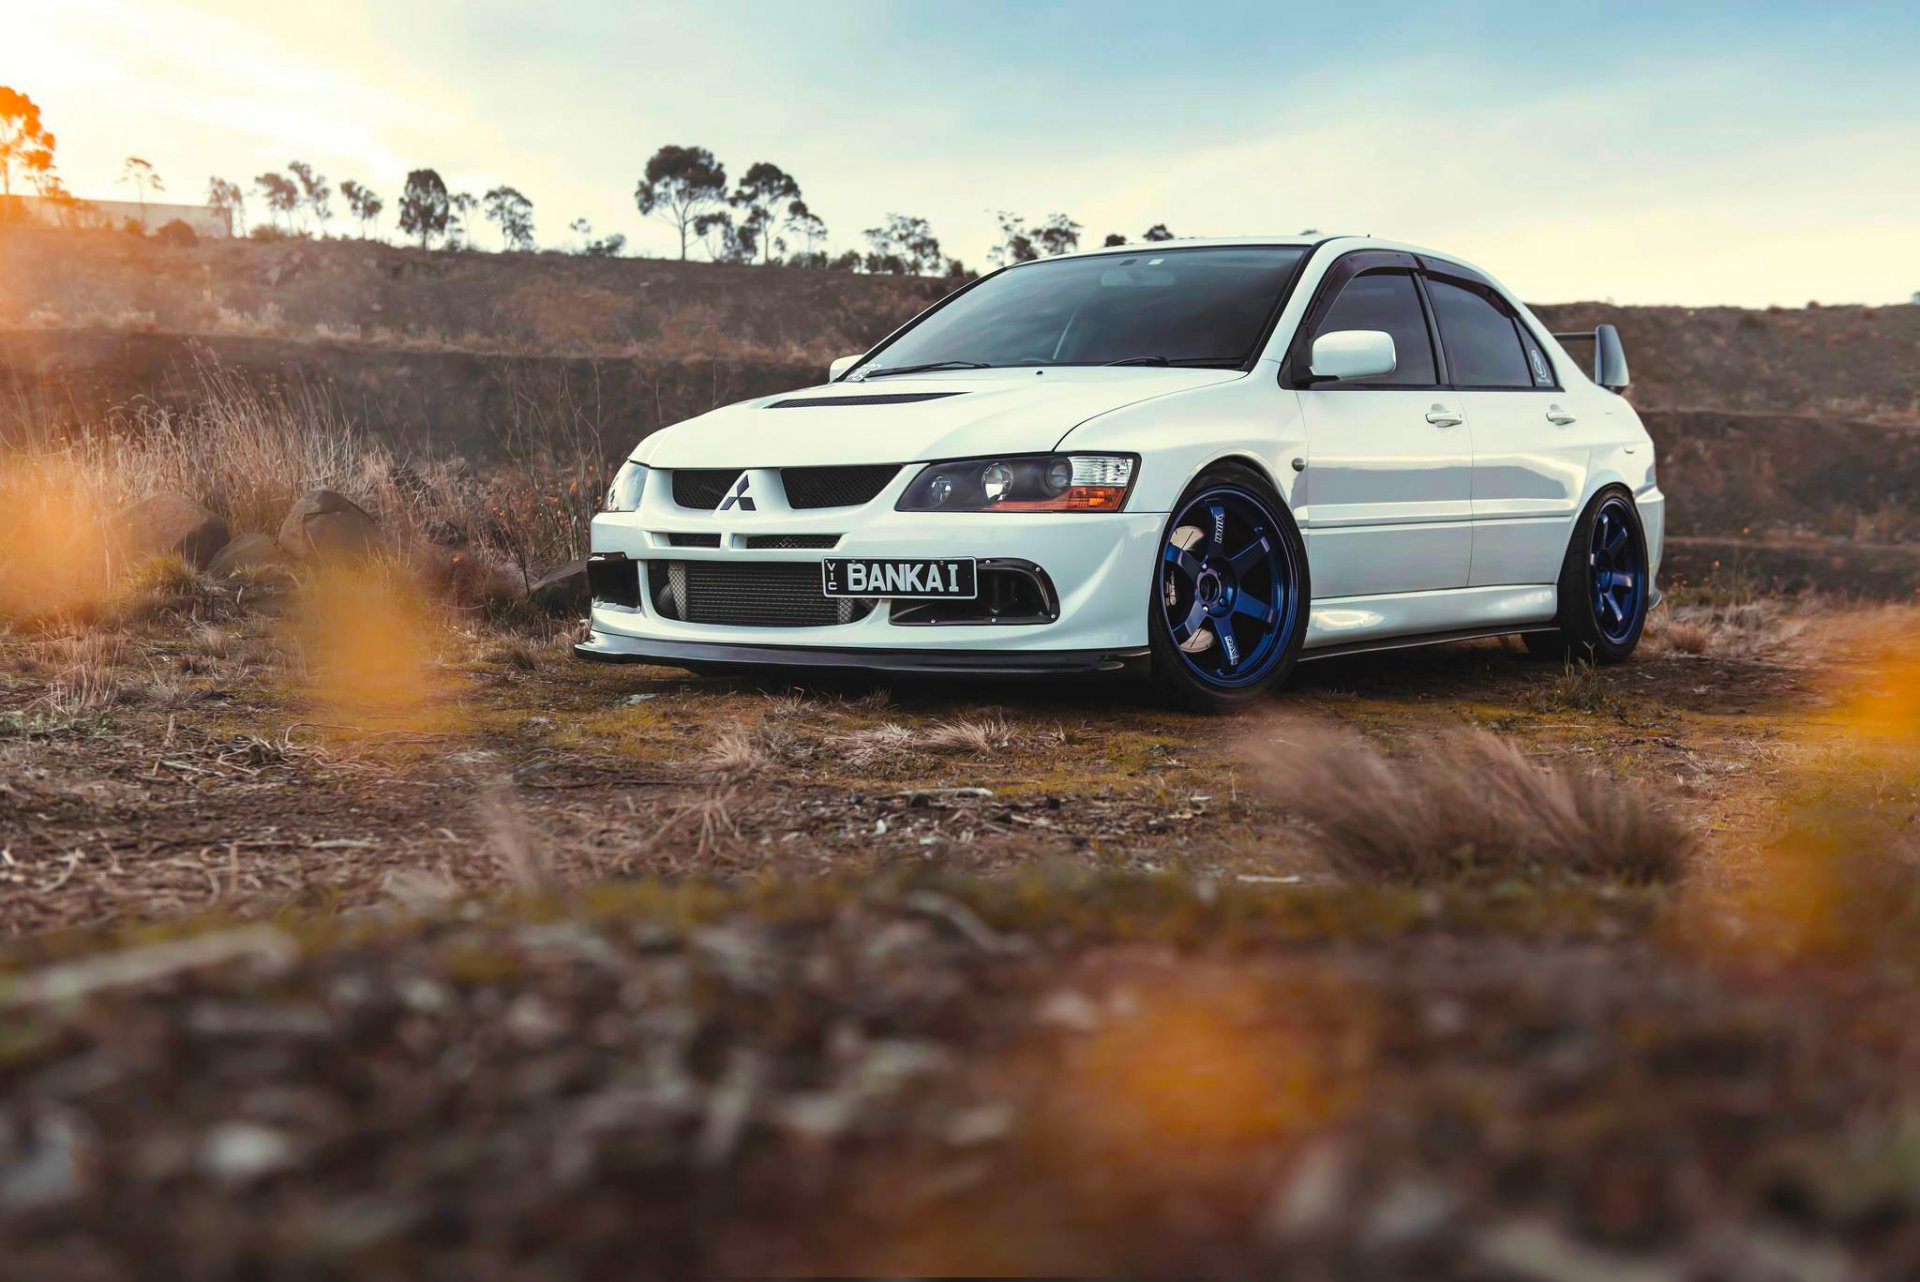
x=143, y=178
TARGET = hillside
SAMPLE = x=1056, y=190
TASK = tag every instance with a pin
x=1853, y=362
x=1787, y=436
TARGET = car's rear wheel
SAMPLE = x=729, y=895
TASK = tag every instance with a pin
x=1228, y=610
x=1604, y=585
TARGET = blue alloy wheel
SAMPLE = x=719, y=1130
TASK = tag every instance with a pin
x=1229, y=587
x=1613, y=561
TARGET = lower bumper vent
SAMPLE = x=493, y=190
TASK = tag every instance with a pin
x=764, y=594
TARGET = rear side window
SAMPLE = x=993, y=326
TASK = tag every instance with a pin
x=1483, y=343
x=1387, y=301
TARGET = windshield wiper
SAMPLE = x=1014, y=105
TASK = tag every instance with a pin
x=922, y=369
x=1140, y=360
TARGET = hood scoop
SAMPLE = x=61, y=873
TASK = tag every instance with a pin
x=885, y=398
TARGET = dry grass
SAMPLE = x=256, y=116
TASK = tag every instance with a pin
x=888, y=742
x=247, y=455
x=1475, y=808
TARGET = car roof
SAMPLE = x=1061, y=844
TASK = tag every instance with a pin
x=1338, y=243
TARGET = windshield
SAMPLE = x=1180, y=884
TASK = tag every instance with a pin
x=1173, y=306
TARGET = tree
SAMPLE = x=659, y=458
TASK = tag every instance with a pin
x=424, y=206
x=25, y=144
x=1015, y=246
x=724, y=241
x=1156, y=233
x=803, y=222
x=905, y=247
x=1113, y=238
x=460, y=220
x=143, y=178
x=610, y=247
x=362, y=204
x=231, y=201
x=759, y=193
x=281, y=194
x=314, y=191
x=512, y=213
x=1059, y=235
x=680, y=185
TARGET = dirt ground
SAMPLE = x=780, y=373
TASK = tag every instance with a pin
x=214, y=783
x=543, y=969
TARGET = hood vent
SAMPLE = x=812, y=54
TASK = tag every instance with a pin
x=886, y=398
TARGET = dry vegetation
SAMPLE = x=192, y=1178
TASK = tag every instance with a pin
x=357, y=930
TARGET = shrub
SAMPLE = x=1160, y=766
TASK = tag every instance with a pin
x=1475, y=809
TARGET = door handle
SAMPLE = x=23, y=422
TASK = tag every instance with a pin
x=1441, y=416
x=1558, y=415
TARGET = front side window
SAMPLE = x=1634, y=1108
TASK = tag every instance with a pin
x=1200, y=307
x=1386, y=300
x=1483, y=343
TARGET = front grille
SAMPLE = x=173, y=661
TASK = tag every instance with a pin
x=680, y=540
x=792, y=542
x=702, y=487
x=748, y=594
x=889, y=398
x=832, y=486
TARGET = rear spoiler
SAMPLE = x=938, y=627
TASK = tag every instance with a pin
x=1609, y=357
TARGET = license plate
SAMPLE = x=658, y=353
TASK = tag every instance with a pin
x=951, y=579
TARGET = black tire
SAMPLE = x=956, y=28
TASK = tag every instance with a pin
x=1255, y=651
x=1585, y=630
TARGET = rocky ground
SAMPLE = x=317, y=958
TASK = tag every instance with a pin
x=502, y=965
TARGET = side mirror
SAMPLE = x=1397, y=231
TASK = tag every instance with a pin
x=841, y=364
x=1353, y=353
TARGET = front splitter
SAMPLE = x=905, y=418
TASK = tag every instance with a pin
x=603, y=647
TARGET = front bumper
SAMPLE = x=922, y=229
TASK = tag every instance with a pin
x=1100, y=565
x=604, y=648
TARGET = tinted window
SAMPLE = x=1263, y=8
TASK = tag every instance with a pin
x=1482, y=343
x=1196, y=306
x=1387, y=301
x=1537, y=360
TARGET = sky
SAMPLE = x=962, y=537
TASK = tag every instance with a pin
x=1752, y=154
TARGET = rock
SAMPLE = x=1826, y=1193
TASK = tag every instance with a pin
x=563, y=589
x=323, y=524
x=248, y=551
x=461, y=577
x=240, y=1152
x=174, y=523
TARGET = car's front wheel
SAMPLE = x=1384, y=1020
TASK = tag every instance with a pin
x=1228, y=608
x=1604, y=589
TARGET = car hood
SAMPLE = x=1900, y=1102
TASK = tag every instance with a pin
x=914, y=418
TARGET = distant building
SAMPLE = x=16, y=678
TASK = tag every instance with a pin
x=112, y=214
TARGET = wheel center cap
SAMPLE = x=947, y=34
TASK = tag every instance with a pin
x=1210, y=588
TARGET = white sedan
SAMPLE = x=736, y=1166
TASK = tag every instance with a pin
x=1211, y=458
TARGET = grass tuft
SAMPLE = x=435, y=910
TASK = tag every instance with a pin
x=1476, y=809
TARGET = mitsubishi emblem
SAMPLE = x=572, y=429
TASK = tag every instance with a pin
x=738, y=497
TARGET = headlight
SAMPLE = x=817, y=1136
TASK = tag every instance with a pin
x=628, y=484
x=1036, y=483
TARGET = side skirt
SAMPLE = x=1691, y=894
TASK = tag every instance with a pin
x=1413, y=642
